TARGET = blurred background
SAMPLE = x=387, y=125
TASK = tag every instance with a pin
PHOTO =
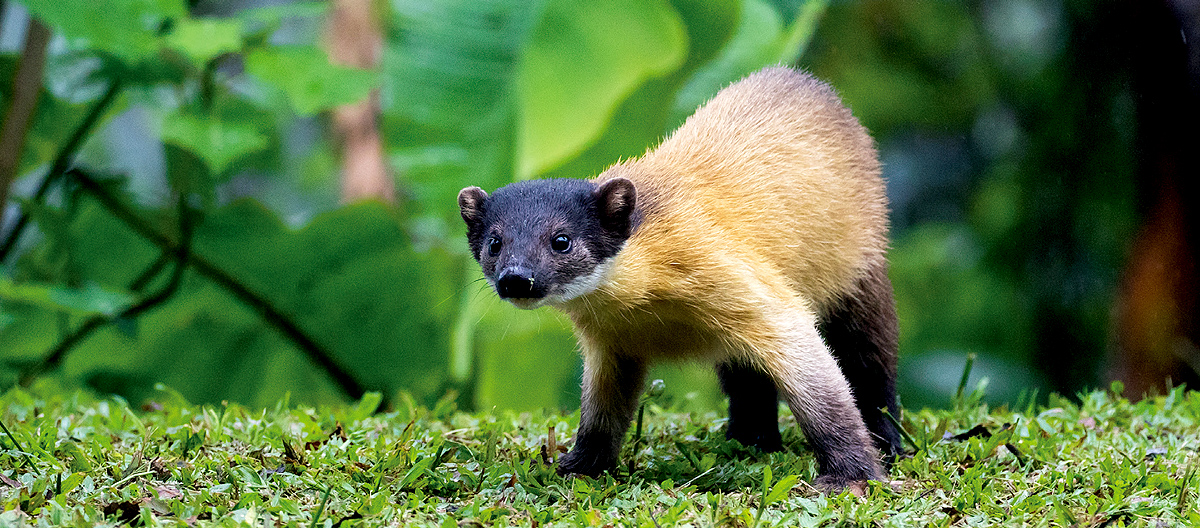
x=248, y=199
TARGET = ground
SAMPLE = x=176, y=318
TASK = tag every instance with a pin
x=77, y=460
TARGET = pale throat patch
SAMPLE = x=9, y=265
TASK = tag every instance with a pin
x=583, y=284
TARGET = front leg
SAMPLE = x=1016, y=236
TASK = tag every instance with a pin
x=611, y=386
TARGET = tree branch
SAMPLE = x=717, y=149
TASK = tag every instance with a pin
x=54, y=358
x=259, y=303
x=61, y=162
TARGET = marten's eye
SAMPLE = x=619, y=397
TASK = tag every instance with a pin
x=561, y=243
x=493, y=245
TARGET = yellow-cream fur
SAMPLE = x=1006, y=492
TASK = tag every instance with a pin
x=763, y=208
x=773, y=185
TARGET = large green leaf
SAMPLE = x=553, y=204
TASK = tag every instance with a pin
x=448, y=98
x=124, y=28
x=766, y=35
x=583, y=60
x=309, y=80
x=709, y=25
x=755, y=36
x=218, y=142
x=204, y=39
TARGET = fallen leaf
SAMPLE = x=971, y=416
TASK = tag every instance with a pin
x=167, y=492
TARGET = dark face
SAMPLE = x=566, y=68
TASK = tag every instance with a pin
x=547, y=241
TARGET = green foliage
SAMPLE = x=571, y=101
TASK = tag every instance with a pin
x=1009, y=145
x=47, y=134
x=283, y=288
x=77, y=461
x=205, y=39
x=306, y=76
x=473, y=94
x=128, y=29
x=217, y=143
x=1018, y=234
x=88, y=300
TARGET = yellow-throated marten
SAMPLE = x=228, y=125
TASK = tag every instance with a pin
x=753, y=237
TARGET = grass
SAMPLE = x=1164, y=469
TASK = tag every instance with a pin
x=73, y=460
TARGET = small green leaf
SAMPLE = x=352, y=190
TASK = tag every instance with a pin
x=766, y=479
x=416, y=471
x=310, y=81
x=780, y=490
x=204, y=38
x=218, y=143
x=365, y=407
x=71, y=482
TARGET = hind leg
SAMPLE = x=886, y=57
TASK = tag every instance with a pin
x=753, y=405
x=861, y=332
x=809, y=380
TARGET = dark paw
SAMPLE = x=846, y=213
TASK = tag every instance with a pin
x=833, y=484
x=852, y=477
x=891, y=453
x=769, y=441
x=887, y=441
x=585, y=462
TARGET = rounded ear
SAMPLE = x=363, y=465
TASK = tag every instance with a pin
x=470, y=204
x=616, y=198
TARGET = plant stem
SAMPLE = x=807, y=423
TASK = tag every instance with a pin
x=962, y=383
x=637, y=435
x=16, y=444
x=321, y=507
x=907, y=437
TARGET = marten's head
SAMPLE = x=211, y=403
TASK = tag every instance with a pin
x=547, y=241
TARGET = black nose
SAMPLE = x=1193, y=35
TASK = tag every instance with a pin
x=516, y=283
